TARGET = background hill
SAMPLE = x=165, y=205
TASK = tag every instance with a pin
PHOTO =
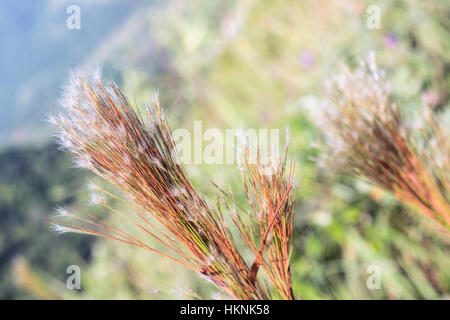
x=37, y=51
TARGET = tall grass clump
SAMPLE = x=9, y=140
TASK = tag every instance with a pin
x=105, y=134
x=369, y=136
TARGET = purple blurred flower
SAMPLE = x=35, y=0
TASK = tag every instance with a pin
x=431, y=98
x=390, y=40
x=306, y=59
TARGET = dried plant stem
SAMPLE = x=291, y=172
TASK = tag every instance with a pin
x=106, y=135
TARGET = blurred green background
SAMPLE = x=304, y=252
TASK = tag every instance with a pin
x=255, y=64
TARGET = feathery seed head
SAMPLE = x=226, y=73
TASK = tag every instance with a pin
x=105, y=134
x=62, y=212
x=368, y=136
x=96, y=199
x=59, y=229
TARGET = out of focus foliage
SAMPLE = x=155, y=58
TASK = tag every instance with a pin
x=262, y=64
x=32, y=183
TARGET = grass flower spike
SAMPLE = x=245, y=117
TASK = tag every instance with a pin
x=369, y=136
x=99, y=127
x=268, y=227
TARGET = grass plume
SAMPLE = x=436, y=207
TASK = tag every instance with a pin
x=369, y=136
x=103, y=132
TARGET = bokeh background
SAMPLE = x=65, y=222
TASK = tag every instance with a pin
x=249, y=63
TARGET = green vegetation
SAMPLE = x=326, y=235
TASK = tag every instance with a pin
x=32, y=183
x=259, y=64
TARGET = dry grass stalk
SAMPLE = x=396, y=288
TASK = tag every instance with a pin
x=369, y=137
x=267, y=227
x=99, y=127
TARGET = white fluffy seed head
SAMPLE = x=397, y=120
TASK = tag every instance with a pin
x=64, y=141
x=209, y=260
x=92, y=186
x=83, y=162
x=59, y=229
x=97, y=74
x=62, y=212
x=96, y=199
x=53, y=120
